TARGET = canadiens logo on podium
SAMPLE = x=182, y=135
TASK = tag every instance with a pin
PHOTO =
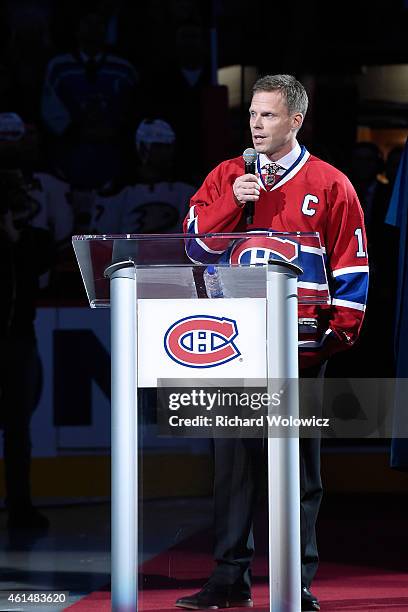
x=260, y=249
x=202, y=341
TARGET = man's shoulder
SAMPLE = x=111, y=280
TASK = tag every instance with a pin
x=60, y=63
x=230, y=166
x=121, y=65
x=324, y=170
x=112, y=58
x=62, y=58
x=45, y=179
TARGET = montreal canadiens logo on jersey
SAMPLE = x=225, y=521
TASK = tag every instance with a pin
x=260, y=249
x=202, y=341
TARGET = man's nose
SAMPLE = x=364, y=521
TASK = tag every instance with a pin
x=257, y=123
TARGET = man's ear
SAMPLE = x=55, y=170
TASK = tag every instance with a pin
x=297, y=120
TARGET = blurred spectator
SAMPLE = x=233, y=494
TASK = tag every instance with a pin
x=52, y=198
x=184, y=12
x=383, y=242
x=334, y=97
x=187, y=78
x=376, y=336
x=12, y=128
x=148, y=30
x=27, y=54
x=109, y=11
x=381, y=237
x=398, y=219
x=157, y=202
x=83, y=202
x=89, y=105
x=391, y=165
x=374, y=191
x=123, y=21
x=21, y=147
x=25, y=254
x=64, y=23
x=367, y=163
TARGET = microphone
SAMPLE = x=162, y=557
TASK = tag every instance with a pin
x=250, y=157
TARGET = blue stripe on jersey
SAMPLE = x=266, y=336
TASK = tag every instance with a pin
x=351, y=287
x=311, y=263
x=312, y=266
x=196, y=252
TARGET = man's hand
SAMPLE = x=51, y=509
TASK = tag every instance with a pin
x=246, y=189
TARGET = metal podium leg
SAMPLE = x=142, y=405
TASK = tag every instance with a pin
x=124, y=440
x=283, y=453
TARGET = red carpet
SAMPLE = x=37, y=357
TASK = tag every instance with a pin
x=182, y=570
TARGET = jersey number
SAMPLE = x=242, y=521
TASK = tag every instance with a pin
x=360, y=251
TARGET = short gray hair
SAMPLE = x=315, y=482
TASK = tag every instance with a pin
x=293, y=92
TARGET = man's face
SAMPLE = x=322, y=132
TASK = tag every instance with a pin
x=161, y=155
x=273, y=129
x=91, y=34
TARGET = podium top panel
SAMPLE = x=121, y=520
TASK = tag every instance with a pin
x=177, y=265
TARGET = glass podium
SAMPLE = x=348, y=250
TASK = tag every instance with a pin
x=169, y=329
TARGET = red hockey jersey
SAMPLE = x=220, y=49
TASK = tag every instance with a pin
x=312, y=196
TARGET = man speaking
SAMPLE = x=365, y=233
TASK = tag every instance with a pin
x=290, y=190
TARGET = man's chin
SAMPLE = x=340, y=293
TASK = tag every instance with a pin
x=260, y=147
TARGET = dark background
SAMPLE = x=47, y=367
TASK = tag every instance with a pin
x=351, y=56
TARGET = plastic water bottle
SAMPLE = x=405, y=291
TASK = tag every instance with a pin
x=213, y=282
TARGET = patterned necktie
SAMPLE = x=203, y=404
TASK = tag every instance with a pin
x=271, y=173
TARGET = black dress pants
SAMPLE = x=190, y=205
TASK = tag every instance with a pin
x=239, y=464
